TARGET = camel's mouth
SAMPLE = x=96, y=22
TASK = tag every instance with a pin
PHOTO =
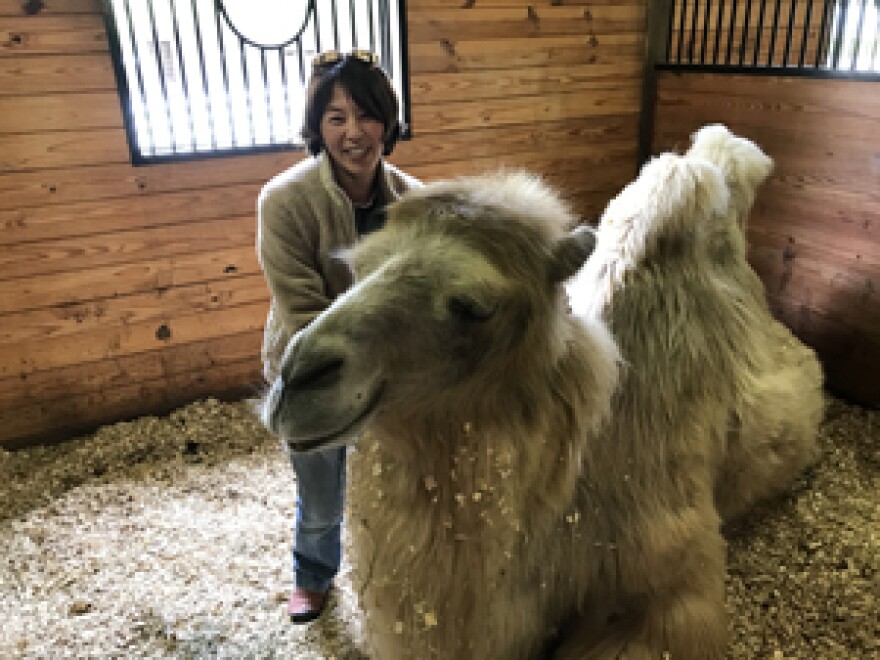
x=345, y=435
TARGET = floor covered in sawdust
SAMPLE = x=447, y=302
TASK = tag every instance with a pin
x=169, y=538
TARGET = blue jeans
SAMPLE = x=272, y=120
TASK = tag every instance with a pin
x=317, y=539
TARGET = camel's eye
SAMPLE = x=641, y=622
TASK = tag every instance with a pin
x=469, y=310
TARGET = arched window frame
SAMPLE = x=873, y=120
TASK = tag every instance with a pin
x=193, y=84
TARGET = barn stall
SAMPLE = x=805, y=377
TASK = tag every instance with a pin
x=132, y=308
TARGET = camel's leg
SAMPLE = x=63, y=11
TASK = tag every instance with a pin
x=771, y=443
x=684, y=626
x=673, y=610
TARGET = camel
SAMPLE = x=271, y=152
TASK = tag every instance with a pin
x=476, y=396
x=536, y=456
x=713, y=398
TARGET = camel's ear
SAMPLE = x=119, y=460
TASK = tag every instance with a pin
x=570, y=253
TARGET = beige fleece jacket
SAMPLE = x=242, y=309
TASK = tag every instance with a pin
x=303, y=217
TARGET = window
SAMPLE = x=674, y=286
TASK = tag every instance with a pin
x=835, y=38
x=855, y=36
x=200, y=78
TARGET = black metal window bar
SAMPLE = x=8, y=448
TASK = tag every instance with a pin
x=839, y=38
x=202, y=78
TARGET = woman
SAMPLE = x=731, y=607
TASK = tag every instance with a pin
x=305, y=213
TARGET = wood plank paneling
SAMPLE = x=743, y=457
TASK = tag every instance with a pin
x=461, y=146
x=814, y=234
x=62, y=112
x=25, y=260
x=528, y=21
x=56, y=419
x=582, y=160
x=74, y=73
x=854, y=114
x=423, y=5
x=464, y=115
x=53, y=35
x=30, y=151
x=49, y=7
x=823, y=283
x=132, y=290
x=94, y=283
x=452, y=55
x=61, y=322
x=473, y=85
x=46, y=187
x=46, y=387
x=118, y=214
x=109, y=342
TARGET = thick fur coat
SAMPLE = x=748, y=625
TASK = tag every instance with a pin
x=718, y=405
x=470, y=516
x=516, y=493
x=779, y=401
x=660, y=451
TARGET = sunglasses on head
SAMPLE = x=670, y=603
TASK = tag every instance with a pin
x=331, y=57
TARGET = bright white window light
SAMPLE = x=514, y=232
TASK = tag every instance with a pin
x=855, y=36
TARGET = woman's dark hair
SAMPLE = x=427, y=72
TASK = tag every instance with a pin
x=368, y=87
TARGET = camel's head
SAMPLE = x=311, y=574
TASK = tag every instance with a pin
x=663, y=207
x=458, y=294
x=744, y=165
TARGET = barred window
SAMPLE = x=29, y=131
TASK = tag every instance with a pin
x=201, y=78
x=828, y=37
x=856, y=36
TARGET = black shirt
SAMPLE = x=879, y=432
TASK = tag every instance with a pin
x=371, y=217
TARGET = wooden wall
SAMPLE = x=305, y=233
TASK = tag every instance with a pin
x=126, y=290
x=814, y=236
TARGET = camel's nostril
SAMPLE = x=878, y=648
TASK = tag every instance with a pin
x=316, y=375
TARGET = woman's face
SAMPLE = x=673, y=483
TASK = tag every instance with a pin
x=352, y=139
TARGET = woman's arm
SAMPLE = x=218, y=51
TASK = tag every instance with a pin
x=287, y=249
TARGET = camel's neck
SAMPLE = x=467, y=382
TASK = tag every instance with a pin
x=443, y=503
x=466, y=471
x=435, y=532
x=504, y=461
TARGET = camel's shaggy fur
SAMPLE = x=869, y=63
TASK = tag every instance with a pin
x=473, y=528
x=711, y=413
x=745, y=167
x=779, y=402
x=647, y=278
x=493, y=513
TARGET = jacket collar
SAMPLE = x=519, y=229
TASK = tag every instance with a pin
x=329, y=180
